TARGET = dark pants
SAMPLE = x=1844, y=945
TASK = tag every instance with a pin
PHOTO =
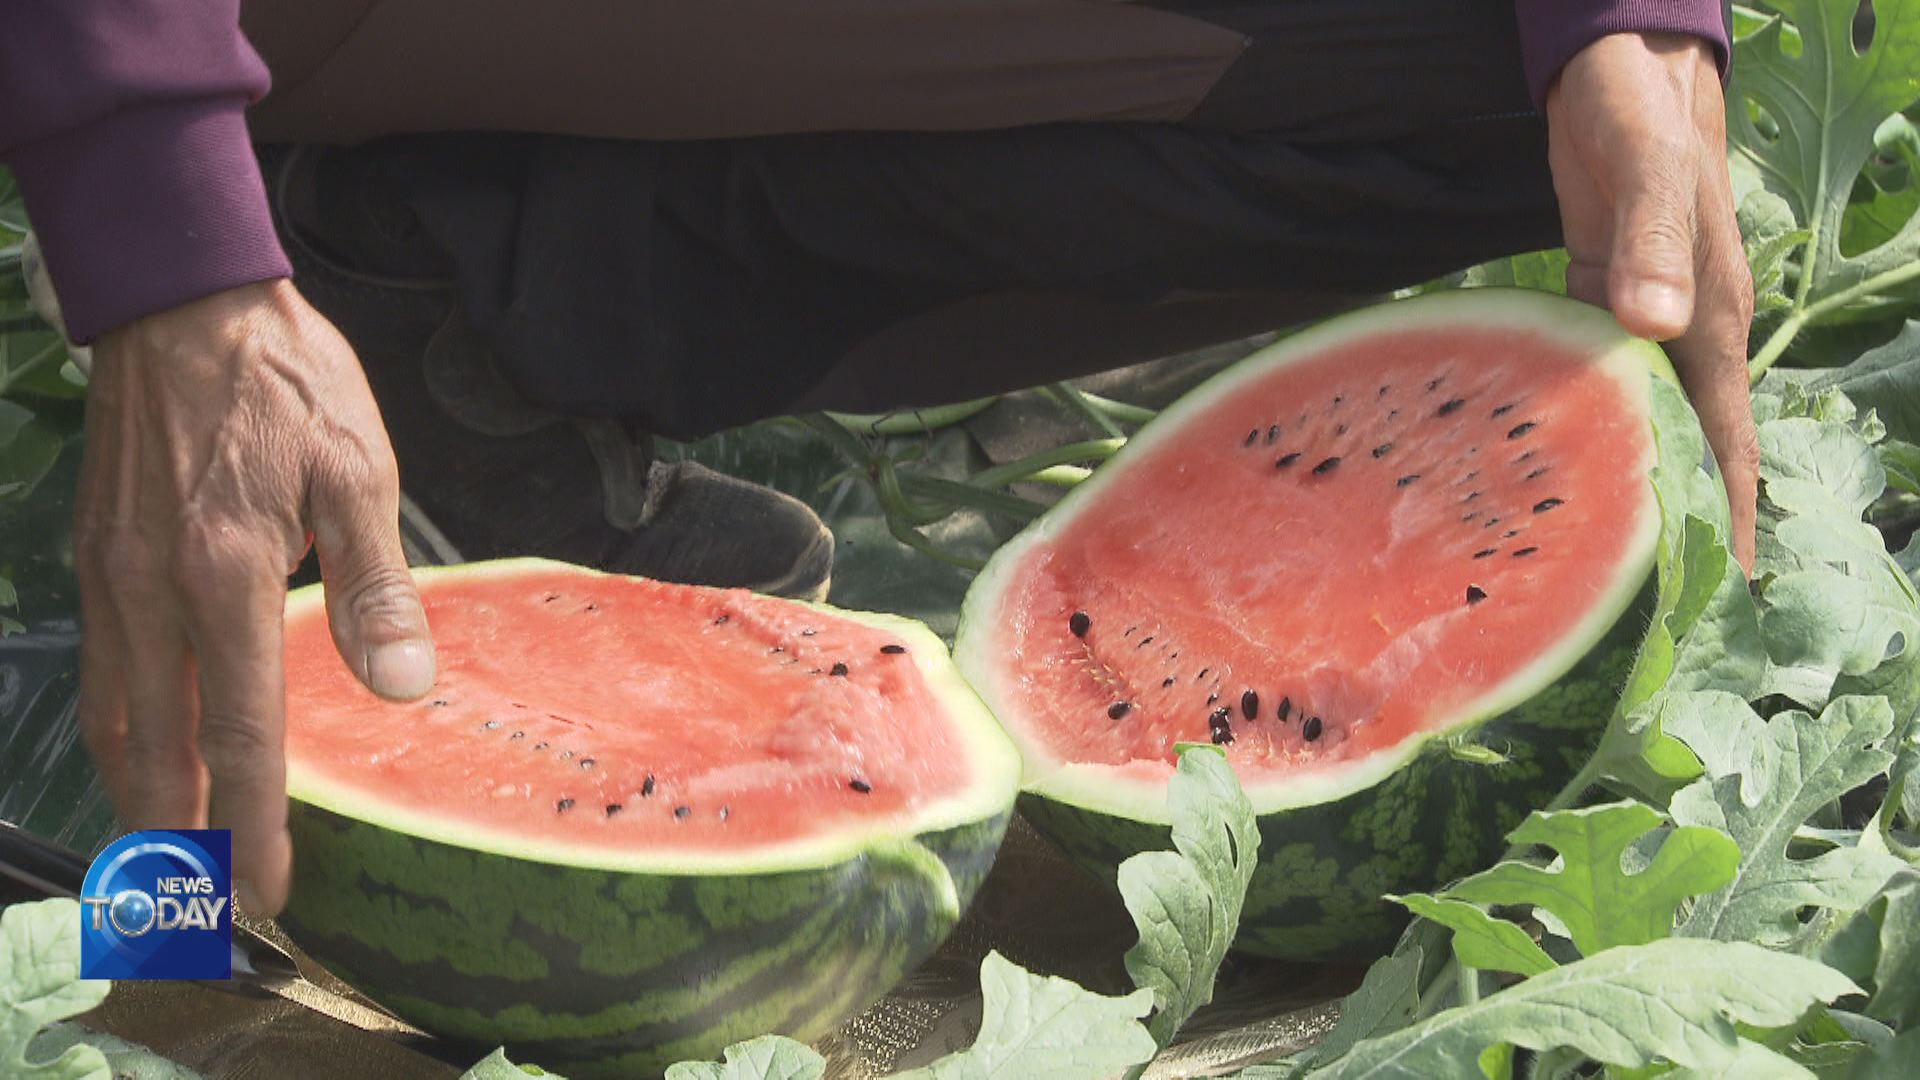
x=708, y=214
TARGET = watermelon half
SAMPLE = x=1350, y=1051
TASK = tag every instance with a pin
x=1398, y=564
x=635, y=822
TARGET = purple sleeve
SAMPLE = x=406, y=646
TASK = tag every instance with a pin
x=1551, y=31
x=124, y=123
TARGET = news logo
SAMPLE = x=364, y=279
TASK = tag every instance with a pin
x=159, y=905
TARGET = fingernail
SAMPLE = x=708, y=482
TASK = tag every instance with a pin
x=401, y=669
x=245, y=896
x=1662, y=303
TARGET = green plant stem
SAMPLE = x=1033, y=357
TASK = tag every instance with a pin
x=1076, y=401
x=1468, y=980
x=1013, y=472
x=1065, y=476
x=961, y=496
x=1120, y=410
x=1802, y=316
x=913, y=421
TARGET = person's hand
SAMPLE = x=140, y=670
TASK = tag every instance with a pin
x=1637, y=144
x=223, y=437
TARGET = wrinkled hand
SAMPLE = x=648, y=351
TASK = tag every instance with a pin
x=1637, y=143
x=220, y=436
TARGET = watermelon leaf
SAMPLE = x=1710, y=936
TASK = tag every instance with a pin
x=1885, y=379
x=1879, y=948
x=39, y=983
x=1037, y=1025
x=1480, y=940
x=1602, y=906
x=769, y=1057
x=1815, y=763
x=1387, y=1001
x=1824, y=103
x=1672, y=999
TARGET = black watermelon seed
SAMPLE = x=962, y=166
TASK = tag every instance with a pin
x=1452, y=406
x=1326, y=466
x=1391, y=413
x=1471, y=495
x=1286, y=707
x=518, y=735
x=813, y=671
x=564, y=805
x=1383, y=391
x=1311, y=729
x=1337, y=399
x=614, y=808
x=1080, y=623
x=1510, y=534
x=1252, y=437
x=1471, y=475
x=1539, y=472
x=586, y=763
x=1144, y=642
x=593, y=607
x=1504, y=409
x=490, y=725
x=1273, y=433
x=1545, y=505
x=438, y=703
x=1407, y=479
x=1249, y=704
x=1202, y=675
x=1469, y=515
x=646, y=786
x=1287, y=459
x=539, y=746
x=838, y=669
x=681, y=813
x=725, y=812
x=722, y=620
x=1119, y=709
x=1213, y=697
x=1484, y=552
x=1130, y=631
x=1475, y=594
x=808, y=631
x=1221, y=735
x=1491, y=522
x=860, y=786
x=1435, y=384
x=1220, y=715
x=550, y=598
x=1521, y=429
x=1521, y=553
x=1166, y=682
x=776, y=649
x=893, y=650
x=1383, y=450
x=1340, y=429
x=1528, y=456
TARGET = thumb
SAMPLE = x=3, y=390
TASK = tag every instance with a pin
x=1650, y=278
x=373, y=608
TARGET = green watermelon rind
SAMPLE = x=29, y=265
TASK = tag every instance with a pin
x=605, y=964
x=1637, y=365
x=993, y=760
x=1417, y=815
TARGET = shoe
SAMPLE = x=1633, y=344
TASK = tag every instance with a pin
x=489, y=475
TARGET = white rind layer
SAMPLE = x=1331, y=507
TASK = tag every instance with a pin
x=990, y=759
x=1122, y=791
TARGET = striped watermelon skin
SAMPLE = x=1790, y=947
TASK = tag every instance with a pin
x=1317, y=895
x=494, y=949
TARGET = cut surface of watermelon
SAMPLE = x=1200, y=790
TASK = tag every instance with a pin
x=1380, y=534
x=635, y=822
x=615, y=722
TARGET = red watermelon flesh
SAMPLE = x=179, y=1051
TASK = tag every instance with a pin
x=1326, y=556
x=594, y=717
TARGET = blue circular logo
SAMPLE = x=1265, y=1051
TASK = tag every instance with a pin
x=131, y=912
